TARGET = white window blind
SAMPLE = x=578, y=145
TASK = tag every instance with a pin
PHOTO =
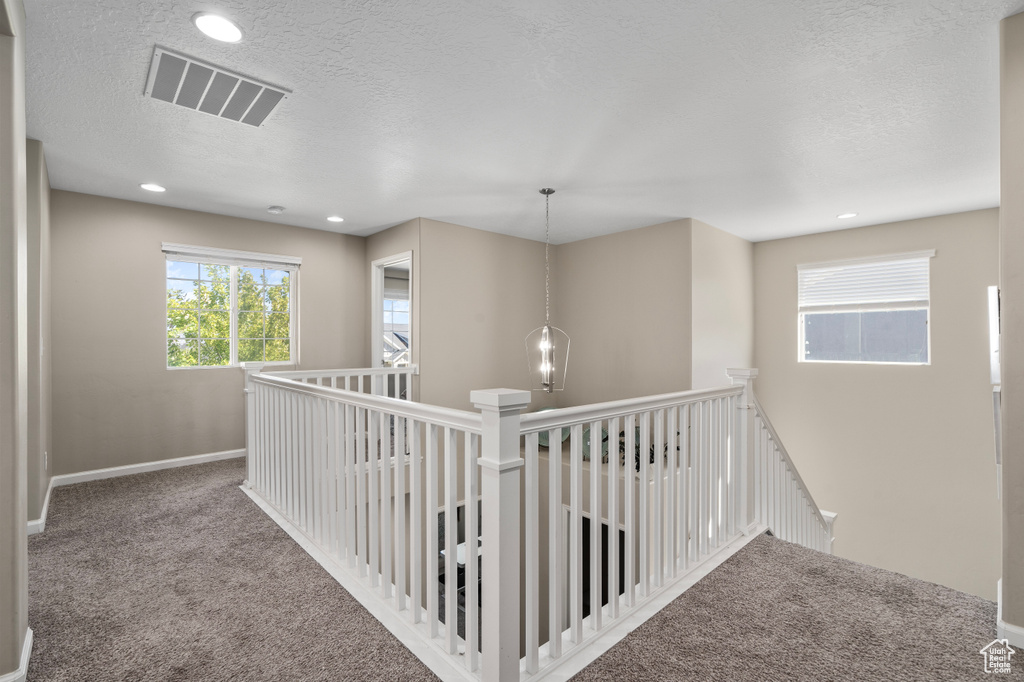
x=208, y=254
x=884, y=283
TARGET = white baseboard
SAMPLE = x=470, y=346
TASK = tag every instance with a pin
x=39, y=525
x=1014, y=634
x=129, y=469
x=22, y=671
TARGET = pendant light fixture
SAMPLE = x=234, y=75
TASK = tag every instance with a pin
x=547, y=347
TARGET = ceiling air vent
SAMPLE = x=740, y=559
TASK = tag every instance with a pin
x=189, y=82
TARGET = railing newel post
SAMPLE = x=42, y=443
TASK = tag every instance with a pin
x=500, y=474
x=251, y=369
x=745, y=441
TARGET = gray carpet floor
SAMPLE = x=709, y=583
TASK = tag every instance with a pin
x=176, y=575
x=777, y=611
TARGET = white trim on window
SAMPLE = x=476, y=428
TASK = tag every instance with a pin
x=377, y=298
x=229, y=256
x=235, y=259
x=909, y=255
x=887, y=283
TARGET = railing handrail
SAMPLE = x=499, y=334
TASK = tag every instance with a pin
x=433, y=414
x=785, y=456
x=567, y=416
x=323, y=373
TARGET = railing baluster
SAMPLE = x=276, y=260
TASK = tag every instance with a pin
x=629, y=500
x=362, y=504
x=724, y=531
x=645, y=510
x=401, y=537
x=263, y=423
x=338, y=479
x=556, y=546
x=670, y=513
x=595, y=525
x=280, y=448
x=277, y=445
x=713, y=472
x=321, y=509
x=683, y=527
x=373, y=462
x=770, y=479
x=291, y=456
x=613, y=518
x=298, y=453
x=351, y=497
x=734, y=468
x=700, y=517
x=576, y=533
x=657, y=559
x=432, y=528
x=779, y=487
x=387, y=531
x=416, y=520
x=472, y=553
x=308, y=491
x=532, y=509
x=451, y=540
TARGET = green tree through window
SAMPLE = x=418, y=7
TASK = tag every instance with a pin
x=200, y=311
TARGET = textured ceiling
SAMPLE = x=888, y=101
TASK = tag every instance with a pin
x=765, y=119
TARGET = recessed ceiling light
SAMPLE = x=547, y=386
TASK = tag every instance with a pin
x=276, y=210
x=335, y=219
x=217, y=27
x=152, y=187
x=844, y=216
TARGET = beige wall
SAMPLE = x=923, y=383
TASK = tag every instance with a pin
x=722, y=304
x=624, y=301
x=13, y=340
x=904, y=454
x=480, y=294
x=1011, y=282
x=39, y=433
x=115, y=401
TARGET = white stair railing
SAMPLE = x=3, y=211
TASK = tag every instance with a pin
x=393, y=382
x=648, y=487
x=782, y=501
x=655, y=489
x=366, y=479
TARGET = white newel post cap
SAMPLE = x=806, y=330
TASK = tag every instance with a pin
x=744, y=377
x=499, y=411
x=251, y=368
x=501, y=399
x=740, y=376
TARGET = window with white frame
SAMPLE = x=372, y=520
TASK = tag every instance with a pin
x=396, y=318
x=868, y=310
x=226, y=307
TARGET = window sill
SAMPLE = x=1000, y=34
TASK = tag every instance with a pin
x=863, y=362
x=266, y=364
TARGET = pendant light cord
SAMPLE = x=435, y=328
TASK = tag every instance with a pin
x=547, y=259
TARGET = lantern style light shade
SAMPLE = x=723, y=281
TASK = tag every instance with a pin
x=547, y=355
